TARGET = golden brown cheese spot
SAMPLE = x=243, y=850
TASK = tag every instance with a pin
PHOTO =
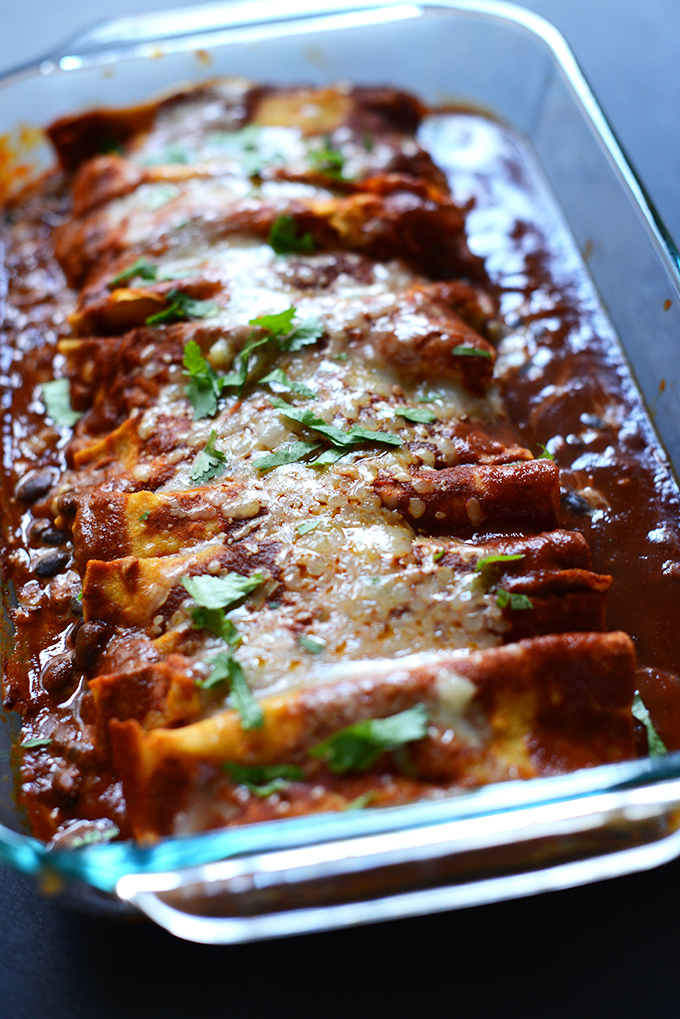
x=313, y=111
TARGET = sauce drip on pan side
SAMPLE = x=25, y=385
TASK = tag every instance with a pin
x=565, y=388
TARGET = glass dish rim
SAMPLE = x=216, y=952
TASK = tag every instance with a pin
x=102, y=866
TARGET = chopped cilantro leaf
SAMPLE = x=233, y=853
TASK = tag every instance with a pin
x=291, y=452
x=327, y=458
x=439, y=555
x=264, y=779
x=545, y=452
x=280, y=378
x=307, y=525
x=359, y=802
x=142, y=268
x=655, y=745
x=32, y=744
x=358, y=746
x=95, y=837
x=491, y=560
x=418, y=414
x=241, y=145
x=209, y=464
x=56, y=396
x=182, y=307
x=308, y=331
x=463, y=351
x=204, y=386
x=144, y=515
x=220, y=592
x=279, y=324
x=328, y=160
x=285, y=239
x=337, y=436
x=312, y=644
x=516, y=602
x=216, y=621
x=242, y=364
x=227, y=668
x=289, y=337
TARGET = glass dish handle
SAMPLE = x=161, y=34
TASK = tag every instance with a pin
x=427, y=869
x=138, y=30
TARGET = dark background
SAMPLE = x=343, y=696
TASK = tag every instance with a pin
x=608, y=950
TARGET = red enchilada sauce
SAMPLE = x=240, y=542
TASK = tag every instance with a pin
x=566, y=390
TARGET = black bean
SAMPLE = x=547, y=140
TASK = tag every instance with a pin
x=34, y=485
x=51, y=564
x=90, y=638
x=67, y=504
x=59, y=677
x=574, y=502
x=53, y=537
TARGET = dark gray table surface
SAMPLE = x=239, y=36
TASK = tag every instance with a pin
x=606, y=950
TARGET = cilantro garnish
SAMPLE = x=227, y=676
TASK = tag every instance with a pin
x=328, y=160
x=142, y=268
x=353, y=436
x=204, y=386
x=358, y=746
x=289, y=453
x=56, y=396
x=95, y=837
x=328, y=457
x=517, y=602
x=285, y=239
x=545, y=452
x=241, y=144
x=500, y=557
x=359, y=802
x=290, y=338
x=216, y=622
x=418, y=414
x=209, y=464
x=280, y=378
x=182, y=307
x=242, y=362
x=32, y=744
x=220, y=592
x=286, y=337
x=307, y=525
x=146, y=270
x=463, y=351
x=655, y=745
x=278, y=324
x=312, y=644
x=226, y=668
x=264, y=779
x=213, y=596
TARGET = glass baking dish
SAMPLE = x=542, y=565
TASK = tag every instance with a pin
x=509, y=840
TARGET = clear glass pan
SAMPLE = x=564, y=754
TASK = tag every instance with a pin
x=515, y=839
